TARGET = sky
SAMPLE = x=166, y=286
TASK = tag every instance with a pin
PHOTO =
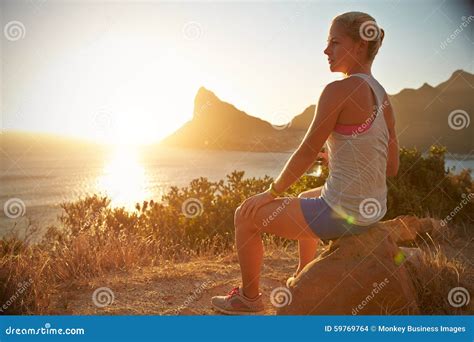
x=128, y=71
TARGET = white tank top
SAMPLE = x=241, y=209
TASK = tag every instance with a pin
x=356, y=187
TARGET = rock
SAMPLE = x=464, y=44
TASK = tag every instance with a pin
x=407, y=228
x=413, y=256
x=357, y=275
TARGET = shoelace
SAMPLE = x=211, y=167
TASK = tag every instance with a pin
x=233, y=292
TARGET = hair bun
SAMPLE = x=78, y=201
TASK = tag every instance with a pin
x=382, y=34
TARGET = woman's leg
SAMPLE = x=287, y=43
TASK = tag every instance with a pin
x=307, y=252
x=307, y=248
x=282, y=217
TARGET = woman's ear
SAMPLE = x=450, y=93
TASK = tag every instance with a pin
x=362, y=47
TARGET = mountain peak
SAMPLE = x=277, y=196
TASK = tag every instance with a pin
x=204, y=98
x=425, y=86
x=203, y=91
x=459, y=72
x=458, y=81
x=217, y=124
x=460, y=75
x=204, y=94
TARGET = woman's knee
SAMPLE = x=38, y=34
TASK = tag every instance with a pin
x=242, y=223
x=302, y=195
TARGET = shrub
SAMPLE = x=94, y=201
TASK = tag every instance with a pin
x=95, y=238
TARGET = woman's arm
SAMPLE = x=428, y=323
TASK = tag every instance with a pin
x=393, y=149
x=329, y=107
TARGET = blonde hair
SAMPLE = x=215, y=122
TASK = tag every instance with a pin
x=362, y=26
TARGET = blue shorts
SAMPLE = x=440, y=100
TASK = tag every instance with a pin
x=325, y=222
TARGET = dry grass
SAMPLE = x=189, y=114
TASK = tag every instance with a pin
x=48, y=273
x=95, y=240
x=58, y=273
x=435, y=274
x=172, y=288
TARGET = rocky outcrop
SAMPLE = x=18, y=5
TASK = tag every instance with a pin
x=220, y=125
x=361, y=275
x=407, y=228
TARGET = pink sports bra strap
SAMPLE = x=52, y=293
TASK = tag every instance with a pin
x=352, y=129
x=360, y=128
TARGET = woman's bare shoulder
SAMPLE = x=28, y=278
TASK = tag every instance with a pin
x=342, y=89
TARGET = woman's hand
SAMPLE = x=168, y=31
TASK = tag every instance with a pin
x=250, y=206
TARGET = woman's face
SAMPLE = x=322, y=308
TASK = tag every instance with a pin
x=343, y=53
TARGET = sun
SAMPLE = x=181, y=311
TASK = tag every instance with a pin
x=124, y=179
x=146, y=91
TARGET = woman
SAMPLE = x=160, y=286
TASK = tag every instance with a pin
x=355, y=119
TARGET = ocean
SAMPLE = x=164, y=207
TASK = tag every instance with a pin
x=34, y=184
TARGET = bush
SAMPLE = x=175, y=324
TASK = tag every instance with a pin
x=423, y=187
x=95, y=238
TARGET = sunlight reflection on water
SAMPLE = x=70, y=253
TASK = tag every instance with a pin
x=124, y=179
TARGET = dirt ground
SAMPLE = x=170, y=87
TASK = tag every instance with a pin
x=186, y=288
x=174, y=289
